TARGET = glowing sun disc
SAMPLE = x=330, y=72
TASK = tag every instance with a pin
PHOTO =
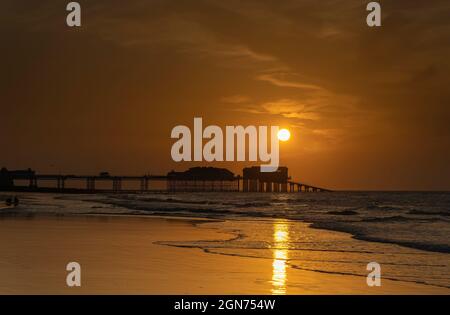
x=283, y=135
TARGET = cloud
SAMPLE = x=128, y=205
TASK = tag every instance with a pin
x=290, y=109
x=242, y=51
x=279, y=79
x=287, y=108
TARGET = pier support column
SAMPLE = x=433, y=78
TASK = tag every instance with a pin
x=171, y=185
x=60, y=183
x=144, y=184
x=245, y=185
x=117, y=184
x=276, y=187
x=33, y=182
x=253, y=185
x=284, y=187
x=90, y=183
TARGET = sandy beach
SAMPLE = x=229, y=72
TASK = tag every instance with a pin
x=152, y=255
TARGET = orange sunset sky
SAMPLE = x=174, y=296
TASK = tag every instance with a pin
x=368, y=108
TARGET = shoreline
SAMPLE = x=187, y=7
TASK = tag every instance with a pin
x=313, y=224
x=316, y=224
x=303, y=281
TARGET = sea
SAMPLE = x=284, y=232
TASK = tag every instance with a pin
x=407, y=233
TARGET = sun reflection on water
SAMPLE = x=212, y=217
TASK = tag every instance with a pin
x=280, y=256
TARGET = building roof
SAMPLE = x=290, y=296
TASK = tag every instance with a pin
x=202, y=173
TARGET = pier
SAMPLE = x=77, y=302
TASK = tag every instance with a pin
x=197, y=179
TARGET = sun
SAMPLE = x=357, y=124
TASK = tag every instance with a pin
x=283, y=135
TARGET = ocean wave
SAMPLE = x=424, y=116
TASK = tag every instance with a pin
x=397, y=218
x=383, y=207
x=403, y=279
x=343, y=212
x=361, y=232
x=408, y=217
x=172, y=200
x=422, y=212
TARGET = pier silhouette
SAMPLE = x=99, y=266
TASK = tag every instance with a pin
x=196, y=179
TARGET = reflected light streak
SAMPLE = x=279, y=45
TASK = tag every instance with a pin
x=280, y=256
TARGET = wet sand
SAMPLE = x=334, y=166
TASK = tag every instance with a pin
x=124, y=255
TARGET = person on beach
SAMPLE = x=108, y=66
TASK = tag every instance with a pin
x=12, y=201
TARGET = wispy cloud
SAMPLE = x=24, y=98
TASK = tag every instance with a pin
x=281, y=80
x=289, y=108
x=242, y=51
